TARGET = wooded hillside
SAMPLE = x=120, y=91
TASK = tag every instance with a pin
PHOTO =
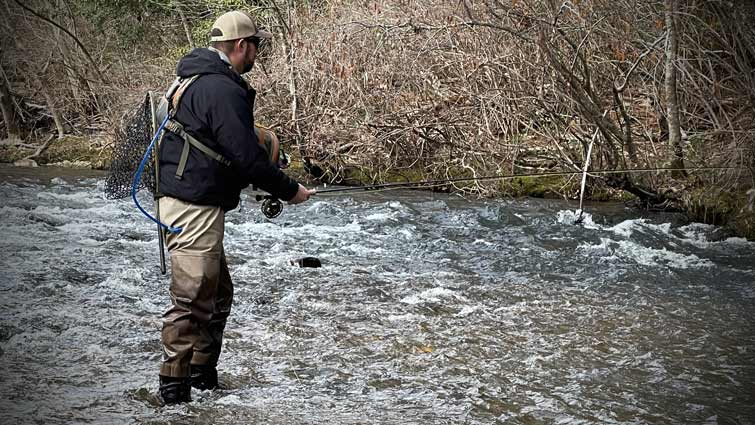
x=372, y=91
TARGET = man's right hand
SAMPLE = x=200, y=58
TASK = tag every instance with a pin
x=302, y=195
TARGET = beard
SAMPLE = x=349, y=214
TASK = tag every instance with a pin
x=248, y=64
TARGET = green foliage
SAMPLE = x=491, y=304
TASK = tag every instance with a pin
x=127, y=21
x=227, y=5
x=175, y=53
x=731, y=208
x=201, y=26
x=744, y=224
x=200, y=31
x=73, y=148
x=712, y=206
x=131, y=23
x=538, y=187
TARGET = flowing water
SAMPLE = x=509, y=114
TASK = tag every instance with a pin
x=429, y=309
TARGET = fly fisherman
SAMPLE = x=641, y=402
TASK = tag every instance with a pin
x=197, y=186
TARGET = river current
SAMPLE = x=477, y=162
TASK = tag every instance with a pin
x=429, y=309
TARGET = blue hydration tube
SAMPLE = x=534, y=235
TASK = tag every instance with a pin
x=138, y=177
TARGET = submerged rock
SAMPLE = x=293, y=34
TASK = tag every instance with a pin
x=26, y=163
x=72, y=164
x=311, y=262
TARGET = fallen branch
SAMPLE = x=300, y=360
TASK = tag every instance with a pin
x=42, y=148
x=16, y=144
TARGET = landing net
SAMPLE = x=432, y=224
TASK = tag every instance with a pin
x=132, y=137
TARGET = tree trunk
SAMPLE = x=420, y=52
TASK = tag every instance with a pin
x=51, y=106
x=68, y=62
x=6, y=105
x=55, y=114
x=672, y=103
x=287, y=22
x=185, y=24
x=290, y=53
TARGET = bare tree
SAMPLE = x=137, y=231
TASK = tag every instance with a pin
x=78, y=42
x=287, y=21
x=6, y=105
x=67, y=56
x=670, y=87
x=51, y=106
x=185, y=24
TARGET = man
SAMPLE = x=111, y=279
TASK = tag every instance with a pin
x=197, y=188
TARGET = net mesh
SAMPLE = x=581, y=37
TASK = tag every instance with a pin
x=131, y=140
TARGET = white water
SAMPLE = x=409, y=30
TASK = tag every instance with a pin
x=429, y=309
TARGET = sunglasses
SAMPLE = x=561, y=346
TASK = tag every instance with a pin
x=259, y=43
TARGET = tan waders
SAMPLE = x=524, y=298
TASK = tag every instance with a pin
x=201, y=293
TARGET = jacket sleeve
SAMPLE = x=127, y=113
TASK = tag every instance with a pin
x=232, y=125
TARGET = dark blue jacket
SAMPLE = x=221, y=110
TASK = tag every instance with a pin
x=217, y=110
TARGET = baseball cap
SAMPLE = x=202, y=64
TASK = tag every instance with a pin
x=235, y=25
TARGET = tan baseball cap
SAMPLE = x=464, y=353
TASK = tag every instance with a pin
x=235, y=25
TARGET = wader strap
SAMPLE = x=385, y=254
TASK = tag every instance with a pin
x=183, y=160
x=175, y=127
x=177, y=94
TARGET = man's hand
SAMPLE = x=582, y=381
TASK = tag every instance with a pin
x=302, y=195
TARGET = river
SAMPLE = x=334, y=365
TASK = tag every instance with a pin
x=429, y=309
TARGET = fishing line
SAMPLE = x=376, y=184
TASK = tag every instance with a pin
x=435, y=183
x=272, y=207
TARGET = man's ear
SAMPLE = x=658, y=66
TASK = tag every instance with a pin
x=239, y=44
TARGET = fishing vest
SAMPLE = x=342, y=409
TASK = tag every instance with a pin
x=169, y=104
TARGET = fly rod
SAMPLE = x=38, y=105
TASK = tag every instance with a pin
x=272, y=207
x=434, y=183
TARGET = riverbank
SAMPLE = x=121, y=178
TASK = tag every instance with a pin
x=445, y=98
x=732, y=210
x=68, y=152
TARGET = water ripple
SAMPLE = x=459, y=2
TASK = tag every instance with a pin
x=428, y=309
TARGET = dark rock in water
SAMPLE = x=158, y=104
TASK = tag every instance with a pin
x=719, y=234
x=261, y=300
x=307, y=262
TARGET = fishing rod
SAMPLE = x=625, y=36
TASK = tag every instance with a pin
x=272, y=207
x=442, y=182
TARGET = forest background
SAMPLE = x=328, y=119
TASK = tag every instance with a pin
x=405, y=90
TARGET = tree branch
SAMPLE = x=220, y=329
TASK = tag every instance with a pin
x=78, y=42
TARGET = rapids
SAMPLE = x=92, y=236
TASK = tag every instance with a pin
x=429, y=309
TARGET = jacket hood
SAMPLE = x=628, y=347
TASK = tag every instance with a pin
x=205, y=61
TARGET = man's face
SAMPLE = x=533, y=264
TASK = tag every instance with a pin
x=244, y=55
x=249, y=56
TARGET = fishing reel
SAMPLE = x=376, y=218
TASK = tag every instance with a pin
x=271, y=207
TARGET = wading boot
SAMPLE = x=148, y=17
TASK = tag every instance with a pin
x=204, y=377
x=175, y=390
